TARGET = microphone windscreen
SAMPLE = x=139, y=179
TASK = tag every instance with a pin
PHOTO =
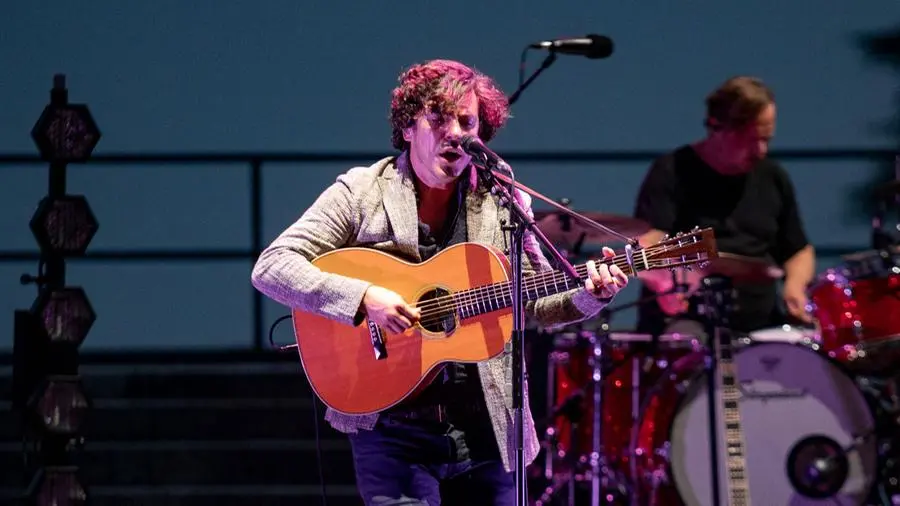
x=601, y=47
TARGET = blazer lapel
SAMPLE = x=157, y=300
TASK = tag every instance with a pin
x=400, y=206
x=481, y=218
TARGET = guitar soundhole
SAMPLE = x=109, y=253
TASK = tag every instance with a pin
x=438, y=314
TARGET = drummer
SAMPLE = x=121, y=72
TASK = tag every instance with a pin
x=726, y=182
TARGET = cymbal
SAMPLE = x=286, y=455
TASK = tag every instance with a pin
x=561, y=228
x=869, y=254
x=743, y=268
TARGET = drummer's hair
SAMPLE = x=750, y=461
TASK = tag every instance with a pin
x=737, y=102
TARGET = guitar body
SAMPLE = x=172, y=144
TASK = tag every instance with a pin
x=464, y=295
x=340, y=360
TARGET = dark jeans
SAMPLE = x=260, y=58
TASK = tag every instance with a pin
x=420, y=463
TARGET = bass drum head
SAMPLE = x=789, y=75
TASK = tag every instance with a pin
x=791, y=398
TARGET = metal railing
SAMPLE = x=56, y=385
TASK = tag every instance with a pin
x=256, y=161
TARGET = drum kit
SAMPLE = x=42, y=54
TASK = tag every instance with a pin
x=801, y=415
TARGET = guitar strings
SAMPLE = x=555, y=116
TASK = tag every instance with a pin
x=434, y=310
x=471, y=294
x=501, y=291
x=437, y=309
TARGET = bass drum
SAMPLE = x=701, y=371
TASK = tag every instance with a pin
x=797, y=407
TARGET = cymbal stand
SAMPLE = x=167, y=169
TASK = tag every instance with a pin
x=571, y=409
x=601, y=475
x=598, y=341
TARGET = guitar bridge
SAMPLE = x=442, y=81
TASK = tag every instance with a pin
x=377, y=340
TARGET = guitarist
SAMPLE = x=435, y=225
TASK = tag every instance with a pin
x=454, y=441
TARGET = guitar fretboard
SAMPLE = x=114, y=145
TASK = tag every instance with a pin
x=485, y=299
x=682, y=250
x=735, y=461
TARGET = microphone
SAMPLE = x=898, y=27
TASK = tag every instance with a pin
x=592, y=46
x=473, y=146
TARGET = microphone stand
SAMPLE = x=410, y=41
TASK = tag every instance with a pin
x=629, y=241
x=520, y=221
x=522, y=85
x=597, y=376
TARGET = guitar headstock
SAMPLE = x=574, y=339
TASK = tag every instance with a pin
x=685, y=249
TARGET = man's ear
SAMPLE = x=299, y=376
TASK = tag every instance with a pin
x=407, y=133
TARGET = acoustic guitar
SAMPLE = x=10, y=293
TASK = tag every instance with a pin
x=465, y=297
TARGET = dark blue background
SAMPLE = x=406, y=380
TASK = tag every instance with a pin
x=281, y=75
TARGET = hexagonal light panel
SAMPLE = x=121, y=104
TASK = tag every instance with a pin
x=57, y=486
x=61, y=406
x=66, y=133
x=65, y=315
x=64, y=224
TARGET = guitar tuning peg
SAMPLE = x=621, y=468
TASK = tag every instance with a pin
x=695, y=229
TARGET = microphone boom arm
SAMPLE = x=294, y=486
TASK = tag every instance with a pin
x=551, y=57
x=493, y=178
x=580, y=217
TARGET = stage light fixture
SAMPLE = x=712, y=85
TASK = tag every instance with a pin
x=60, y=406
x=65, y=315
x=57, y=486
x=65, y=133
x=64, y=224
x=47, y=390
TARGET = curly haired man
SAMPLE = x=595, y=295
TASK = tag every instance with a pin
x=453, y=442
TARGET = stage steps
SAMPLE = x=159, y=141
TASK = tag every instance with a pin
x=230, y=431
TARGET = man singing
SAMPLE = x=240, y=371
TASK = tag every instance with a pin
x=453, y=442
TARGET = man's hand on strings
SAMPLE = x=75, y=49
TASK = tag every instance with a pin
x=604, y=281
x=388, y=309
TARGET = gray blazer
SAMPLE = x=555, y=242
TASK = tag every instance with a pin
x=375, y=207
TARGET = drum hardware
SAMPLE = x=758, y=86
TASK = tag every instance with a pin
x=597, y=340
x=579, y=446
x=593, y=466
x=822, y=431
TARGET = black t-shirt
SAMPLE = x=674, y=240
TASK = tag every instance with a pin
x=753, y=214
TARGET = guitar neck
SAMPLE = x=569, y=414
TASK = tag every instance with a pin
x=496, y=296
x=735, y=461
x=681, y=250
